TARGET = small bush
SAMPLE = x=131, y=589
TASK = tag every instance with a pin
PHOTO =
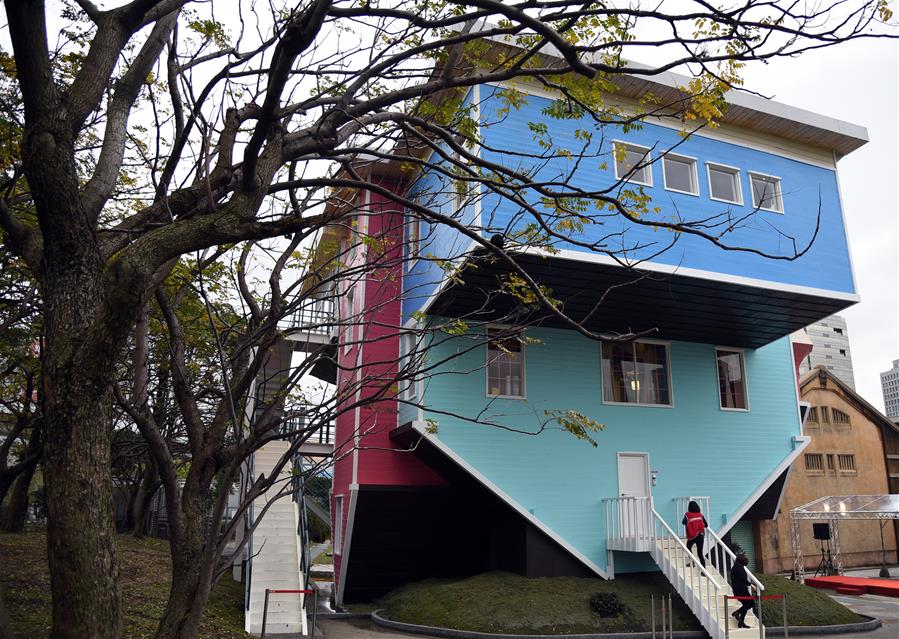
x=607, y=604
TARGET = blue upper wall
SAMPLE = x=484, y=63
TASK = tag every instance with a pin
x=697, y=448
x=825, y=266
x=806, y=187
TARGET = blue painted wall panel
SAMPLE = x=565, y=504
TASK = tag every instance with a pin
x=805, y=186
x=696, y=448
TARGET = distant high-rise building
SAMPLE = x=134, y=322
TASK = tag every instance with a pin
x=830, y=339
x=889, y=382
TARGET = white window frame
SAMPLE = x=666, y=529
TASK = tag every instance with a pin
x=413, y=247
x=524, y=386
x=779, y=197
x=670, y=404
x=647, y=162
x=349, y=330
x=742, y=352
x=338, y=529
x=411, y=391
x=733, y=170
x=694, y=175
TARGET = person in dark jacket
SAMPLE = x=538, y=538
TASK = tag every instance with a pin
x=739, y=581
x=695, y=524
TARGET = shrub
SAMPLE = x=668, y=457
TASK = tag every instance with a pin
x=607, y=604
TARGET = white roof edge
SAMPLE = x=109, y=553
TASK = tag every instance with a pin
x=764, y=105
x=735, y=97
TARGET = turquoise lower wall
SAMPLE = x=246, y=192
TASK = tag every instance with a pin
x=696, y=448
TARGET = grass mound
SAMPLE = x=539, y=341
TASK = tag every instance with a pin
x=806, y=606
x=145, y=569
x=504, y=603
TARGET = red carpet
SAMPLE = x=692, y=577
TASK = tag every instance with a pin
x=883, y=587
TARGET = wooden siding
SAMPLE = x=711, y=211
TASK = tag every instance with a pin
x=695, y=447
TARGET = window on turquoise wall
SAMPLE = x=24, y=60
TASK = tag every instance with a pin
x=680, y=174
x=410, y=360
x=413, y=240
x=724, y=183
x=505, y=363
x=731, y=379
x=636, y=373
x=766, y=193
x=632, y=164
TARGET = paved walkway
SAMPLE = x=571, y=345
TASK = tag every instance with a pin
x=359, y=629
x=884, y=608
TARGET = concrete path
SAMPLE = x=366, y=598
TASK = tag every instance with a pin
x=359, y=629
x=884, y=608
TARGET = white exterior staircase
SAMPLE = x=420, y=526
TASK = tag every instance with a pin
x=275, y=554
x=633, y=525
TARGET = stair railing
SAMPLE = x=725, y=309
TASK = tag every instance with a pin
x=724, y=558
x=707, y=605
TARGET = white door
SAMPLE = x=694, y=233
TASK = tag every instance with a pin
x=633, y=488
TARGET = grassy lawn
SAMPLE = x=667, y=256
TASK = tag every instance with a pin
x=324, y=558
x=805, y=606
x=501, y=602
x=145, y=569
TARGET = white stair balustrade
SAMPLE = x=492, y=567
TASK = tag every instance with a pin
x=276, y=553
x=633, y=525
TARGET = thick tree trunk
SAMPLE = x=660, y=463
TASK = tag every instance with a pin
x=192, y=571
x=16, y=511
x=147, y=488
x=6, y=481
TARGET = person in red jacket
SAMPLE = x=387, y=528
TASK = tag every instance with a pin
x=695, y=524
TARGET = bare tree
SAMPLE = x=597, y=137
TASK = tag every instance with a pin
x=146, y=135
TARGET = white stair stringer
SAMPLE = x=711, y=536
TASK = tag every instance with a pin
x=703, y=591
x=275, y=561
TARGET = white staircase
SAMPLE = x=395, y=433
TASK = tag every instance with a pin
x=276, y=554
x=633, y=525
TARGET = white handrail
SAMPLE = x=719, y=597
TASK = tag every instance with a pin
x=719, y=543
x=683, y=546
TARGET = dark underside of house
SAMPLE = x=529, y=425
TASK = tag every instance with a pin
x=405, y=534
x=609, y=298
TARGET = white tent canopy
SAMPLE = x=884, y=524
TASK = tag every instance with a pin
x=833, y=509
x=850, y=507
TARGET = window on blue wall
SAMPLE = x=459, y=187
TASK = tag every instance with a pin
x=636, y=373
x=766, y=193
x=505, y=362
x=680, y=174
x=632, y=163
x=724, y=183
x=413, y=241
x=731, y=379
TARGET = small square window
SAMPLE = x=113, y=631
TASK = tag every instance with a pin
x=731, y=379
x=814, y=462
x=766, y=193
x=680, y=174
x=724, y=184
x=505, y=363
x=632, y=164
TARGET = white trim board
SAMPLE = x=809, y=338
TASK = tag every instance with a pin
x=669, y=269
x=420, y=427
x=346, y=543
